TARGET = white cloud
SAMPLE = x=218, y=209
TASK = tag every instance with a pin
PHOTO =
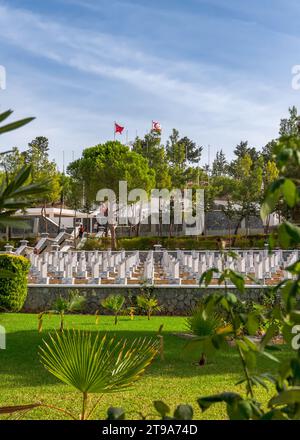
x=213, y=109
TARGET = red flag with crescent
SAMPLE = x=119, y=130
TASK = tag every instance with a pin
x=156, y=126
x=118, y=128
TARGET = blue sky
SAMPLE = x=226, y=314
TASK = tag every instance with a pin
x=218, y=70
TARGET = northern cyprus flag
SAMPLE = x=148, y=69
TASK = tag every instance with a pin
x=156, y=126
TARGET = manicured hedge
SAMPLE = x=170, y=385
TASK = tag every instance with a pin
x=188, y=243
x=13, y=289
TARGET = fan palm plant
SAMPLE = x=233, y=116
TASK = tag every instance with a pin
x=94, y=364
x=148, y=304
x=74, y=303
x=203, y=326
x=113, y=303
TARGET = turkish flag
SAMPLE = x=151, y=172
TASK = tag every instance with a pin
x=118, y=128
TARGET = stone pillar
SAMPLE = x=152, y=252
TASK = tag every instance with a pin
x=8, y=248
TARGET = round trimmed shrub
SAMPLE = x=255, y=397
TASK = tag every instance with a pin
x=13, y=282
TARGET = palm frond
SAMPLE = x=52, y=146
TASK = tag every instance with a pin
x=5, y=115
x=18, y=408
x=15, y=125
x=96, y=364
x=76, y=303
x=113, y=302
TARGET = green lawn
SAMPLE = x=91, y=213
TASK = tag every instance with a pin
x=176, y=380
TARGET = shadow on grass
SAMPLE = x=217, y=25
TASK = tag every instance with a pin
x=21, y=362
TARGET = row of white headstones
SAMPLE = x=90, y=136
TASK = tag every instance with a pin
x=119, y=267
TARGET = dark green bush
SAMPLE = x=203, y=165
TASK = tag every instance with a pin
x=188, y=243
x=13, y=282
x=140, y=243
x=94, y=244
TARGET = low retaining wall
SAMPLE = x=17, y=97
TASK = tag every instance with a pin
x=174, y=300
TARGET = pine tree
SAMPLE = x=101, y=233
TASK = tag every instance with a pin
x=219, y=165
x=290, y=126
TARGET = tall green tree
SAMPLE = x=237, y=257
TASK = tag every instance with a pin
x=268, y=151
x=12, y=162
x=104, y=166
x=270, y=174
x=219, y=165
x=241, y=150
x=151, y=148
x=248, y=188
x=182, y=154
x=290, y=126
x=37, y=155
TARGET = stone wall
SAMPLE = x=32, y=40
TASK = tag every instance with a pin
x=174, y=300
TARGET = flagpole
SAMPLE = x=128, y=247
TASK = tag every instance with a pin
x=114, y=131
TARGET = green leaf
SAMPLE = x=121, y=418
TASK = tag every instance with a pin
x=161, y=407
x=114, y=413
x=259, y=381
x=271, y=331
x=183, y=412
x=250, y=359
x=238, y=280
x=294, y=268
x=290, y=396
x=252, y=323
x=233, y=255
x=288, y=234
x=272, y=241
x=18, y=408
x=5, y=115
x=295, y=316
x=243, y=412
x=76, y=303
x=271, y=198
x=284, y=156
x=289, y=293
x=15, y=125
x=251, y=344
x=242, y=345
x=231, y=298
x=287, y=333
x=269, y=356
x=95, y=364
x=283, y=236
x=268, y=206
x=206, y=277
x=275, y=415
x=206, y=402
x=289, y=191
x=293, y=231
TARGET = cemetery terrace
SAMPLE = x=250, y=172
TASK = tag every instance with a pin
x=156, y=267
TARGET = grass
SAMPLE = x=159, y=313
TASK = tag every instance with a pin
x=175, y=380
